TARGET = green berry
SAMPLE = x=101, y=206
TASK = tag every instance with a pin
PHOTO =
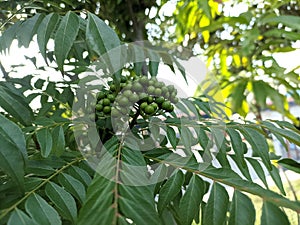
x=143, y=96
x=123, y=79
x=166, y=105
x=127, y=93
x=106, y=101
x=99, y=107
x=107, y=109
x=101, y=95
x=149, y=110
x=144, y=80
x=113, y=87
x=157, y=92
x=134, y=98
x=154, y=105
x=151, y=90
x=150, y=99
x=143, y=105
x=159, y=100
x=111, y=97
x=137, y=87
x=123, y=101
x=164, y=90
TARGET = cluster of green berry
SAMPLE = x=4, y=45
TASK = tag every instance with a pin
x=136, y=96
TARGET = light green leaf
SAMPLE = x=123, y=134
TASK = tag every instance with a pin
x=18, y=217
x=58, y=140
x=169, y=190
x=44, y=139
x=186, y=138
x=238, y=95
x=45, y=31
x=189, y=205
x=216, y=207
x=8, y=36
x=272, y=215
x=72, y=185
x=242, y=209
x=65, y=36
x=287, y=20
x=41, y=211
x=63, y=200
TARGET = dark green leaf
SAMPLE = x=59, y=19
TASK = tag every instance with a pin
x=277, y=179
x=72, y=185
x=45, y=141
x=272, y=215
x=216, y=207
x=169, y=190
x=18, y=217
x=189, y=205
x=172, y=137
x=290, y=164
x=236, y=143
x=41, y=212
x=65, y=36
x=63, y=200
x=242, y=209
x=45, y=30
x=58, y=140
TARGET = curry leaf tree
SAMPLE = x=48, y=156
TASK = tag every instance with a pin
x=124, y=150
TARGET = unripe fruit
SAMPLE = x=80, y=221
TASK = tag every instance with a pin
x=143, y=105
x=166, y=105
x=151, y=90
x=137, y=87
x=144, y=80
x=106, y=101
x=99, y=107
x=154, y=105
x=143, y=96
x=157, y=92
x=123, y=79
x=149, y=110
x=107, y=109
x=100, y=95
x=150, y=99
x=111, y=97
x=134, y=98
x=127, y=93
x=123, y=101
x=159, y=100
x=164, y=90
x=112, y=87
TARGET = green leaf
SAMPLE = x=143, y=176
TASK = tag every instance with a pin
x=80, y=175
x=16, y=106
x=258, y=143
x=14, y=134
x=216, y=207
x=238, y=95
x=169, y=190
x=12, y=161
x=45, y=31
x=28, y=29
x=58, y=140
x=18, y=217
x=236, y=142
x=100, y=37
x=65, y=36
x=44, y=139
x=277, y=179
x=72, y=185
x=272, y=215
x=290, y=164
x=8, y=36
x=63, y=200
x=189, y=205
x=287, y=20
x=186, y=138
x=172, y=137
x=41, y=212
x=258, y=170
x=242, y=209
